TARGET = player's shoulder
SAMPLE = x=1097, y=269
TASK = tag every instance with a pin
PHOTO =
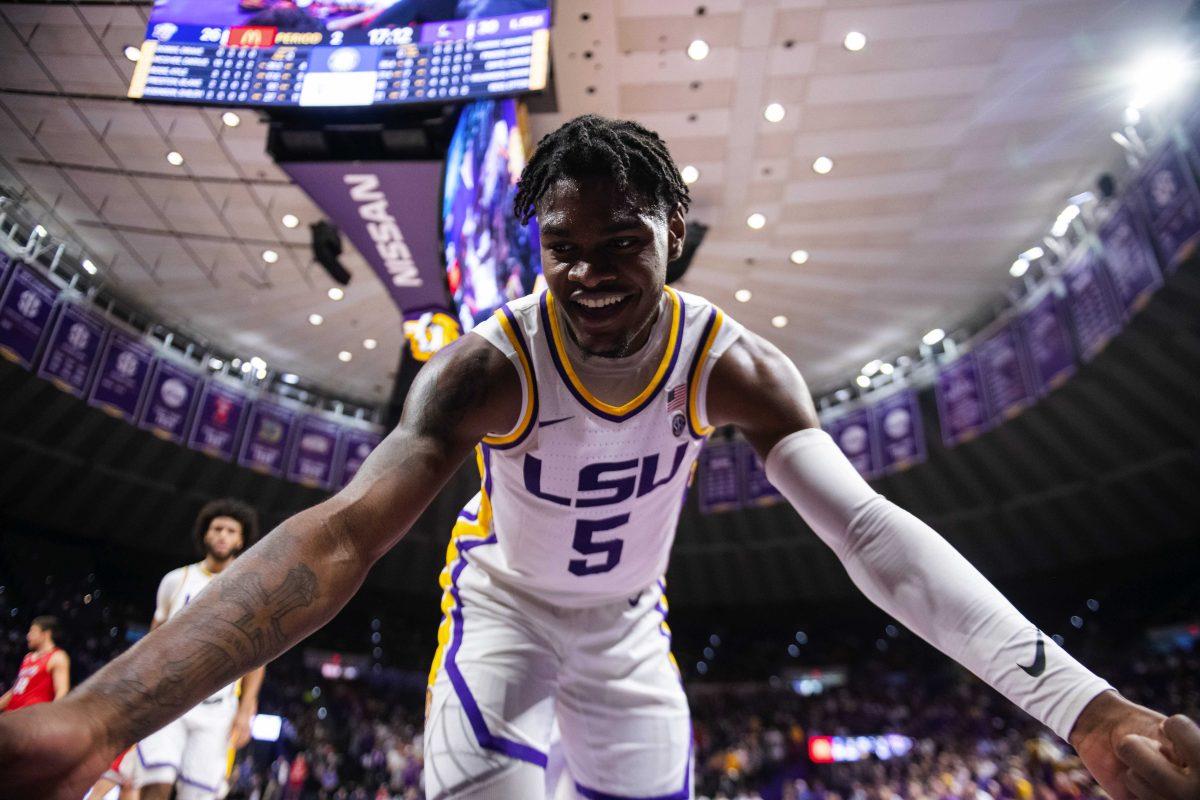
x=179, y=574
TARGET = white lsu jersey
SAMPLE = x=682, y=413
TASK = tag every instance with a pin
x=582, y=497
x=178, y=588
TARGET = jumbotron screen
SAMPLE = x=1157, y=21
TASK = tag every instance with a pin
x=491, y=257
x=331, y=53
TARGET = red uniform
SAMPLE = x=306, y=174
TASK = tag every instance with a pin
x=34, y=684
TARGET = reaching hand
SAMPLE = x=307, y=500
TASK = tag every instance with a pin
x=1105, y=723
x=1158, y=772
x=239, y=732
x=51, y=751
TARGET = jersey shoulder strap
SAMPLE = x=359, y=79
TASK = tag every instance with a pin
x=718, y=332
x=507, y=330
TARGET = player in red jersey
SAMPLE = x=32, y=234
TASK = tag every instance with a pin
x=45, y=673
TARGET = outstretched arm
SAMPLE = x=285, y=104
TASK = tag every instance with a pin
x=908, y=570
x=59, y=668
x=279, y=590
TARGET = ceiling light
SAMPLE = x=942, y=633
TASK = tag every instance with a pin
x=1081, y=198
x=246, y=367
x=133, y=53
x=290, y=220
x=872, y=367
x=289, y=378
x=742, y=295
x=822, y=165
x=779, y=321
x=231, y=119
x=262, y=373
x=370, y=344
x=258, y=363
x=799, y=257
x=1019, y=267
x=854, y=41
x=215, y=363
x=88, y=266
x=933, y=337
x=1033, y=253
x=1132, y=116
x=697, y=50
x=174, y=158
x=863, y=381
x=886, y=368
x=270, y=256
x=39, y=231
x=689, y=174
x=1158, y=76
x=345, y=355
x=336, y=293
x=756, y=221
x=1065, y=217
x=315, y=319
x=774, y=112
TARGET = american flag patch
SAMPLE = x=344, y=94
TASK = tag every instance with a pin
x=677, y=398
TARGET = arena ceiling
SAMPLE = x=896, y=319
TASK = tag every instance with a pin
x=956, y=136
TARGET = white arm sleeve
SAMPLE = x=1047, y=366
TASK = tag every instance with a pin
x=904, y=567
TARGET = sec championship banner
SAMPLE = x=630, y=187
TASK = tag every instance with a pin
x=962, y=409
x=1130, y=259
x=389, y=209
x=121, y=377
x=1003, y=373
x=899, y=430
x=169, y=403
x=1048, y=344
x=264, y=446
x=855, y=435
x=313, y=452
x=719, y=483
x=25, y=307
x=1172, y=202
x=1094, y=316
x=356, y=446
x=72, y=349
x=218, y=419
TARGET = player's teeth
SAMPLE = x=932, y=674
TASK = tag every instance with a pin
x=602, y=302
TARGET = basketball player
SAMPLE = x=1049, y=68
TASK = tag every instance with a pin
x=192, y=752
x=585, y=406
x=45, y=673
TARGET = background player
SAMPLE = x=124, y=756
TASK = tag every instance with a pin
x=45, y=672
x=611, y=207
x=193, y=751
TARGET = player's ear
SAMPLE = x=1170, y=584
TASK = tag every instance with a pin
x=676, y=232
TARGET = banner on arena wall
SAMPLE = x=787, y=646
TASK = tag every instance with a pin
x=169, y=401
x=1048, y=344
x=313, y=452
x=756, y=489
x=854, y=433
x=1094, y=316
x=720, y=488
x=356, y=446
x=1130, y=259
x=121, y=377
x=1172, y=201
x=25, y=309
x=219, y=416
x=264, y=447
x=72, y=349
x=1004, y=374
x=899, y=430
x=389, y=210
x=962, y=410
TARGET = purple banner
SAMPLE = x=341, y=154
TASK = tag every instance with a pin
x=1094, y=315
x=855, y=436
x=265, y=444
x=168, y=406
x=899, y=430
x=5, y=263
x=72, y=349
x=219, y=416
x=356, y=446
x=719, y=489
x=121, y=378
x=389, y=210
x=25, y=307
x=1130, y=259
x=313, y=452
x=1172, y=201
x=756, y=489
x=1004, y=376
x=1048, y=343
x=961, y=407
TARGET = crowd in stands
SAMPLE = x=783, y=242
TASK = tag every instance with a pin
x=361, y=739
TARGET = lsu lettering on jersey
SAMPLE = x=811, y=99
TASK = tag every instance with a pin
x=582, y=498
x=178, y=588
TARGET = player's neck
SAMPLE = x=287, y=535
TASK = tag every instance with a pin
x=45, y=647
x=214, y=566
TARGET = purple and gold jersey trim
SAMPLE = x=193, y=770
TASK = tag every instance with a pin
x=711, y=329
x=588, y=400
x=512, y=330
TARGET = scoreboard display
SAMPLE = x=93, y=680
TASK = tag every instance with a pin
x=341, y=53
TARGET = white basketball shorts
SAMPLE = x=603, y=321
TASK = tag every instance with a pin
x=193, y=749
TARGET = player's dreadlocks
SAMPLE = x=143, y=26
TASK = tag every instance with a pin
x=635, y=158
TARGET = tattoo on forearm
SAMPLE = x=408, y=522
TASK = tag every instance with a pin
x=258, y=629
